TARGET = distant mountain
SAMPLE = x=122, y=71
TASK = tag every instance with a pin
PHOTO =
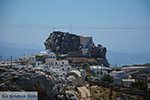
x=16, y=50
x=20, y=45
x=120, y=58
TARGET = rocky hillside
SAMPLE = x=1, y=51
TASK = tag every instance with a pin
x=48, y=86
x=64, y=43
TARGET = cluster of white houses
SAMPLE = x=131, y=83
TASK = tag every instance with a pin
x=60, y=68
x=119, y=77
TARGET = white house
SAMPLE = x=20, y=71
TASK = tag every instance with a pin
x=32, y=57
x=22, y=58
x=60, y=67
x=86, y=42
x=95, y=69
x=61, y=63
x=45, y=52
x=35, y=63
x=60, y=71
x=51, y=59
x=99, y=71
x=128, y=82
x=118, y=76
x=118, y=73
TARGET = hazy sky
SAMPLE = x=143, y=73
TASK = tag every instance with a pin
x=120, y=25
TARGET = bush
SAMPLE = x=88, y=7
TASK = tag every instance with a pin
x=107, y=78
x=139, y=85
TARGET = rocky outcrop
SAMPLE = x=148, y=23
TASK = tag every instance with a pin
x=63, y=43
x=48, y=86
x=99, y=52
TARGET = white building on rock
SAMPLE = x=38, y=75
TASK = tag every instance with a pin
x=86, y=42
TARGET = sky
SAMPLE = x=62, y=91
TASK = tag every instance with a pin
x=119, y=25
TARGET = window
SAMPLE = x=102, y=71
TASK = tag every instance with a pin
x=62, y=62
x=68, y=68
x=63, y=73
x=62, y=68
x=56, y=63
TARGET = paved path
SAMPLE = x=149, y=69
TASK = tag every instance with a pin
x=85, y=93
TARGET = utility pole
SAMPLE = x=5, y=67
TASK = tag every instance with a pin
x=11, y=60
x=111, y=90
x=90, y=85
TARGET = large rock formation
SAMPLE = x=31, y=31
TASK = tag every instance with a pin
x=64, y=43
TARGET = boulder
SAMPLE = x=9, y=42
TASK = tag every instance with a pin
x=62, y=43
x=25, y=84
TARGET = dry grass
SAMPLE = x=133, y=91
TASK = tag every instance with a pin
x=98, y=93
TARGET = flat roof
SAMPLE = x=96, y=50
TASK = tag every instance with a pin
x=98, y=67
x=86, y=36
x=128, y=80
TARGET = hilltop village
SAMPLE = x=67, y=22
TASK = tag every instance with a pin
x=68, y=64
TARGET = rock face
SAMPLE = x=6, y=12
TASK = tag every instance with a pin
x=48, y=86
x=65, y=43
x=98, y=52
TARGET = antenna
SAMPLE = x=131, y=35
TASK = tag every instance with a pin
x=70, y=27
